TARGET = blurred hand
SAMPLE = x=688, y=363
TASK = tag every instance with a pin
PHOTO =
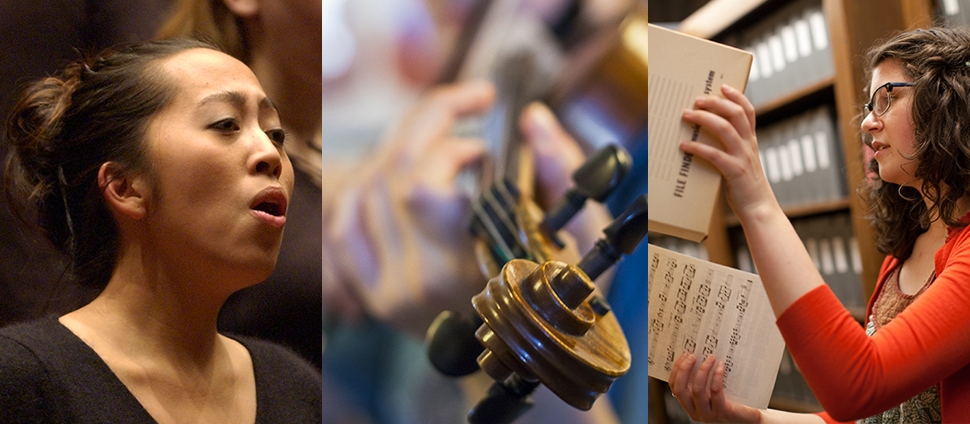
x=395, y=228
x=701, y=392
x=556, y=157
x=396, y=242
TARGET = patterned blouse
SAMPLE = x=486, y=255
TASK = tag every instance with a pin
x=925, y=406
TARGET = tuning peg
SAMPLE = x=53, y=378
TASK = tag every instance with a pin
x=452, y=346
x=596, y=179
x=504, y=402
x=622, y=236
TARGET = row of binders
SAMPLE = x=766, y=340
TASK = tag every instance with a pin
x=791, y=49
x=802, y=158
x=834, y=249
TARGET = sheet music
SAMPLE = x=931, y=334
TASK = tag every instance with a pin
x=704, y=308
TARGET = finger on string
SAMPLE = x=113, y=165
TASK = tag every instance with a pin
x=434, y=116
x=440, y=167
x=557, y=154
x=467, y=98
x=546, y=135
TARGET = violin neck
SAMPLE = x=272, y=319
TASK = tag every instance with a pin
x=517, y=87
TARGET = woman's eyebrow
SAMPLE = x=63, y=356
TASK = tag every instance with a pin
x=234, y=98
x=238, y=100
x=266, y=103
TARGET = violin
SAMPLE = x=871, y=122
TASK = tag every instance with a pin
x=539, y=319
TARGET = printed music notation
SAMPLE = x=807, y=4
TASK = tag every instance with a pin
x=708, y=309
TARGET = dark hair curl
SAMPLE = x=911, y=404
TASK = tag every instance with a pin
x=938, y=61
x=64, y=127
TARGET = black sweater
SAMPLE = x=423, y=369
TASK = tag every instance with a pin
x=49, y=375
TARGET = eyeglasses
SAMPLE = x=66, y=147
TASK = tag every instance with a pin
x=882, y=98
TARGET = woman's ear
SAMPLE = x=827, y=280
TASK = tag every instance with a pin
x=245, y=9
x=123, y=193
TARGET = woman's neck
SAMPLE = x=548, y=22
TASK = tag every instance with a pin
x=151, y=310
x=154, y=326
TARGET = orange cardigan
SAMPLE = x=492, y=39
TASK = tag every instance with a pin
x=855, y=376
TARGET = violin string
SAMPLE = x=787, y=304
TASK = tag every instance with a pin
x=493, y=232
x=512, y=200
x=497, y=207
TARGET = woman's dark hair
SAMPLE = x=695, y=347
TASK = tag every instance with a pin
x=938, y=62
x=64, y=127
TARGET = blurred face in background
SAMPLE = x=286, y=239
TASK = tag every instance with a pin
x=291, y=27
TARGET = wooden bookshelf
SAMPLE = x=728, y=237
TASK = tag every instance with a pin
x=853, y=26
x=801, y=210
x=779, y=104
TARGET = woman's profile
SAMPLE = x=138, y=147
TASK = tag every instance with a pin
x=159, y=169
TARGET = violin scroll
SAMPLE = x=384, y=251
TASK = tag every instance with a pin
x=546, y=323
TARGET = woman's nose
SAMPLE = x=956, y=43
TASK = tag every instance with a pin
x=267, y=159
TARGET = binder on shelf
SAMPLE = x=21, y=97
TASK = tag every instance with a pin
x=682, y=191
x=831, y=244
x=804, y=137
x=801, y=157
x=791, y=49
x=801, y=188
x=781, y=81
x=844, y=249
x=768, y=144
x=828, y=147
x=819, y=62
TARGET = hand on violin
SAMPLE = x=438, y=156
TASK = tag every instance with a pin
x=731, y=119
x=556, y=156
x=701, y=392
x=396, y=226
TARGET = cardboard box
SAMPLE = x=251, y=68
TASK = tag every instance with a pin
x=683, y=190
